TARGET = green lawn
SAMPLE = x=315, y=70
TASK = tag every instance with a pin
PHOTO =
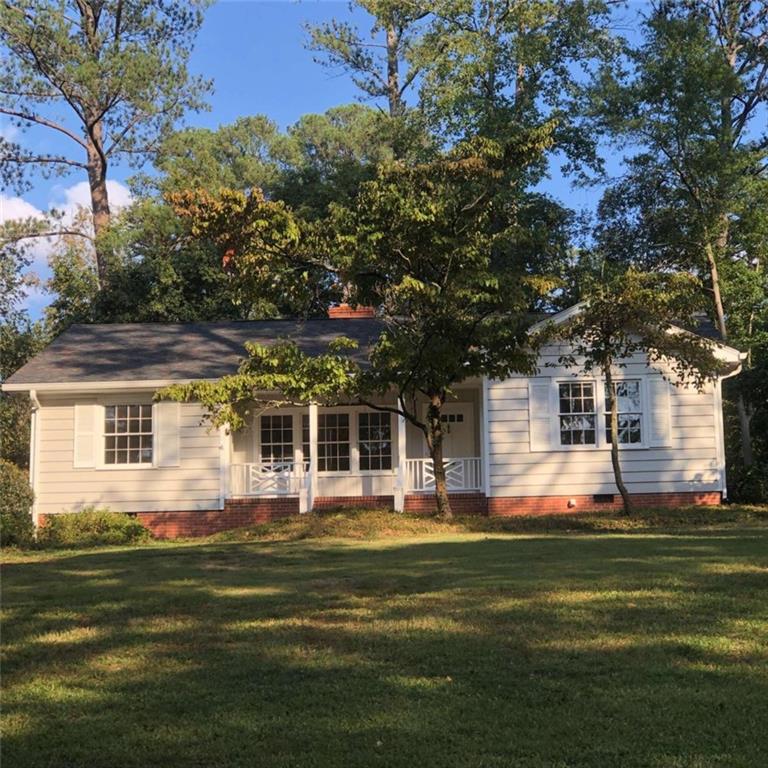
x=449, y=650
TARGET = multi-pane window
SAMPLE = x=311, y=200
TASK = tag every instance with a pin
x=577, y=413
x=128, y=434
x=277, y=437
x=333, y=442
x=375, y=439
x=630, y=410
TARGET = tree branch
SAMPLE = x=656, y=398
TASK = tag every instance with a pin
x=40, y=120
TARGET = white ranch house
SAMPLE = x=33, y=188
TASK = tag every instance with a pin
x=524, y=445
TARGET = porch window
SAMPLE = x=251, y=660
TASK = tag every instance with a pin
x=277, y=437
x=128, y=434
x=630, y=410
x=333, y=442
x=577, y=413
x=375, y=439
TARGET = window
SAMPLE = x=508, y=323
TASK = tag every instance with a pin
x=630, y=412
x=333, y=442
x=577, y=413
x=128, y=434
x=375, y=439
x=277, y=438
x=452, y=418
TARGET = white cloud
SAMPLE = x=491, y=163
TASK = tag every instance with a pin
x=79, y=196
x=16, y=208
x=68, y=201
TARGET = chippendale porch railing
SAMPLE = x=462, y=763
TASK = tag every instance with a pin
x=461, y=474
x=268, y=478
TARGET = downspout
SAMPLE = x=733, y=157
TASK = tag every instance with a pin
x=719, y=428
x=34, y=440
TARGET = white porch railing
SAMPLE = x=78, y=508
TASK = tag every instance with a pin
x=461, y=474
x=268, y=478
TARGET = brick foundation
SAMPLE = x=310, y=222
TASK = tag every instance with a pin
x=461, y=503
x=509, y=506
x=375, y=502
x=237, y=513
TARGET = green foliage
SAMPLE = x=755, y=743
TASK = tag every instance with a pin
x=272, y=376
x=382, y=69
x=16, y=499
x=494, y=69
x=120, y=65
x=614, y=323
x=691, y=98
x=91, y=527
x=434, y=245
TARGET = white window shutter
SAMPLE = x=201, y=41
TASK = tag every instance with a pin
x=86, y=434
x=660, y=417
x=539, y=416
x=166, y=427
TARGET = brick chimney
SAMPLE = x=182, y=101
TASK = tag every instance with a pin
x=348, y=312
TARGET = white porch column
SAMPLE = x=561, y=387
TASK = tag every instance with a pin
x=485, y=440
x=401, y=480
x=312, y=485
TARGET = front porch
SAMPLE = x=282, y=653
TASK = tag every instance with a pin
x=352, y=454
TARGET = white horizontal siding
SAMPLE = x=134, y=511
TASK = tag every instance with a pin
x=690, y=463
x=194, y=484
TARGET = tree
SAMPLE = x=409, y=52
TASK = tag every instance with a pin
x=692, y=97
x=433, y=246
x=614, y=322
x=493, y=68
x=376, y=66
x=20, y=339
x=107, y=78
x=241, y=155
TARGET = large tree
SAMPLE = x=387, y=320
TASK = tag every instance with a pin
x=614, y=323
x=105, y=79
x=691, y=97
x=433, y=246
x=20, y=338
x=378, y=62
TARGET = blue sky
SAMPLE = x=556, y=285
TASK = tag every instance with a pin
x=255, y=53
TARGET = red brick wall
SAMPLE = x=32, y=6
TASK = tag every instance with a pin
x=346, y=312
x=376, y=502
x=461, y=503
x=508, y=506
x=237, y=513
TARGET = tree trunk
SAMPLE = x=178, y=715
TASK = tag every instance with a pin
x=717, y=298
x=393, y=74
x=614, y=425
x=435, y=445
x=97, y=182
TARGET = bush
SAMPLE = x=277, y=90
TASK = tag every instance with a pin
x=16, y=499
x=91, y=527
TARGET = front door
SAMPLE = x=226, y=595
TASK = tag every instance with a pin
x=458, y=431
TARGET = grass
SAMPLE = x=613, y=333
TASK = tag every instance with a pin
x=432, y=646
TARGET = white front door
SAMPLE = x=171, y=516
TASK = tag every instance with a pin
x=458, y=431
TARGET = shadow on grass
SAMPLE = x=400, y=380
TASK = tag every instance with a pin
x=605, y=651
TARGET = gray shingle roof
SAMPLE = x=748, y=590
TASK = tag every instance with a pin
x=177, y=351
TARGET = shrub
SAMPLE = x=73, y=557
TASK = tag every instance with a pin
x=16, y=499
x=91, y=527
